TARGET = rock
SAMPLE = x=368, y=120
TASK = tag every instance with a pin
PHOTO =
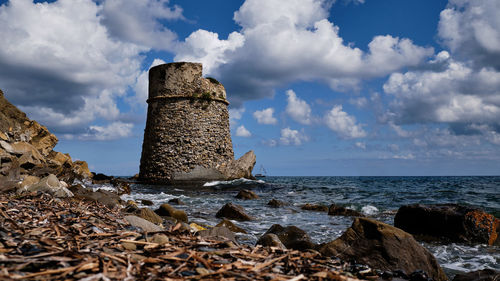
x=176, y=201
x=218, y=233
x=122, y=187
x=147, y=202
x=49, y=184
x=382, y=246
x=240, y=168
x=198, y=174
x=81, y=169
x=59, y=158
x=449, y=222
x=159, y=238
x=246, y=195
x=336, y=210
x=196, y=227
x=101, y=178
x=28, y=181
x=233, y=212
x=149, y=215
x=276, y=203
x=167, y=210
x=270, y=240
x=314, y=207
x=231, y=226
x=143, y=224
x=292, y=237
x=480, y=275
x=107, y=198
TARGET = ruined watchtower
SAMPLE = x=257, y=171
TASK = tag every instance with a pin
x=187, y=124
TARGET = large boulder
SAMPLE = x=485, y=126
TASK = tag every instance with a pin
x=107, y=198
x=384, y=247
x=246, y=194
x=149, y=215
x=480, y=275
x=231, y=226
x=449, y=222
x=314, y=207
x=233, y=212
x=292, y=237
x=270, y=240
x=218, y=233
x=275, y=203
x=335, y=210
x=240, y=168
x=49, y=184
x=143, y=224
x=169, y=211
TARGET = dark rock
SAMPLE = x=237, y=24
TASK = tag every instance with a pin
x=270, y=240
x=449, y=223
x=276, y=203
x=176, y=201
x=149, y=215
x=292, y=237
x=218, y=233
x=233, y=212
x=122, y=186
x=480, y=275
x=314, y=207
x=246, y=195
x=336, y=210
x=167, y=210
x=383, y=247
x=231, y=226
x=147, y=202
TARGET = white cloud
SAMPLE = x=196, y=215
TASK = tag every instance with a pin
x=298, y=109
x=361, y=145
x=343, y=124
x=115, y=130
x=274, y=47
x=235, y=115
x=139, y=22
x=265, y=116
x=241, y=131
x=292, y=137
x=359, y=102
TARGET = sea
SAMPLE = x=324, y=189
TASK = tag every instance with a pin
x=376, y=197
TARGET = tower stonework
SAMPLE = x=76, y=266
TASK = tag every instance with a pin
x=187, y=128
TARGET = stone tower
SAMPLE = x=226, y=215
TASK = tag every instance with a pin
x=187, y=126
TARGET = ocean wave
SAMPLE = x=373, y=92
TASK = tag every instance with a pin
x=233, y=182
x=369, y=210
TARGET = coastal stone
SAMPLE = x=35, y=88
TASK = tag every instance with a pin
x=314, y=207
x=101, y=178
x=176, y=201
x=147, y=202
x=81, y=169
x=197, y=227
x=59, y=158
x=159, y=238
x=292, y=237
x=122, y=186
x=107, y=198
x=29, y=181
x=187, y=126
x=28, y=160
x=276, y=203
x=218, y=233
x=167, y=210
x=231, y=226
x=49, y=184
x=335, y=210
x=233, y=212
x=270, y=240
x=143, y=224
x=240, y=168
x=246, y=194
x=129, y=246
x=383, y=247
x=149, y=215
x=479, y=275
x=449, y=223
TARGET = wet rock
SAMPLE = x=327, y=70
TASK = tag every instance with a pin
x=240, y=168
x=101, y=178
x=480, y=275
x=167, y=210
x=233, y=212
x=176, y=201
x=231, y=226
x=246, y=195
x=59, y=158
x=49, y=184
x=159, y=238
x=218, y=233
x=122, y=187
x=81, y=168
x=108, y=198
x=276, y=203
x=147, y=202
x=383, y=247
x=270, y=240
x=292, y=237
x=449, y=223
x=149, y=215
x=336, y=210
x=314, y=207
x=143, y=224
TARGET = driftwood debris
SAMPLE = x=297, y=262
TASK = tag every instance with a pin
x=42, y=238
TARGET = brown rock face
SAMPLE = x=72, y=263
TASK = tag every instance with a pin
x=246, y=195
x=384, y=247
x=167, y=210
x=449, y=222
x=233, y=212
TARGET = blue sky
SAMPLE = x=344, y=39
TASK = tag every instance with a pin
x=317, y=87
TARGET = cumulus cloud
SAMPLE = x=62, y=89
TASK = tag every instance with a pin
x=139, y=22
x=361, y=145
x=298, y=109
x=265, y=116
x=292, y=137
x=241, y=131
x=235, y=115
x=343, y=124
x=113, y=131
x=273, y=48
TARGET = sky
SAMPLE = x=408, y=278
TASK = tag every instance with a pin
x=316, y=87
